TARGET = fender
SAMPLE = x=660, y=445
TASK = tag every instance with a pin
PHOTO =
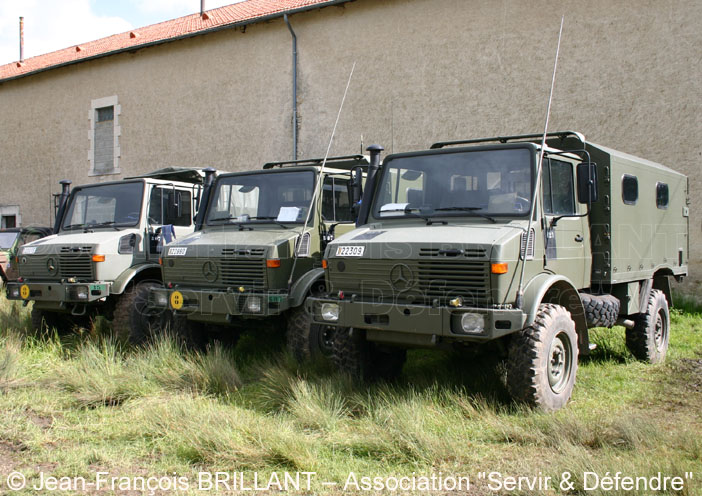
x=302, y=286
x=130, y=274
x=551, y=288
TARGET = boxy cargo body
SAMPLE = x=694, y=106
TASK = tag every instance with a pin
x=444, y=258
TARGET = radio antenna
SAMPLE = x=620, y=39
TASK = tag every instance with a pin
x=537, y=182
x=320, y=177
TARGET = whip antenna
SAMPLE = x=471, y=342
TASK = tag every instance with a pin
x=320, y=177
x=537, y=182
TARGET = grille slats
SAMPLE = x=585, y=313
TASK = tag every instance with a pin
x=441, y=278
x=67, y=261
x=247, y=271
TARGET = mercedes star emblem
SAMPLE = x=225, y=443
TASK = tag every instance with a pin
x=209, y=270
x=401, y=277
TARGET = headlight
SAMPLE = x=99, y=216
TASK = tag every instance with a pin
x=253, y=304
x=79, y=293
x=161, y=300
x=14, y=292
x=473, y=323
x=330, y=312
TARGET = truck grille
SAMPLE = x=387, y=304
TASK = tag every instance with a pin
x=70, y=261
x=247, y=270
x=243, y=272
x=417, y=281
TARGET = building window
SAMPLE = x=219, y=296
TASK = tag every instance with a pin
x=630, y=189
x=104, y=135
x=8, y=221
x=10, y=216
x=662, y=195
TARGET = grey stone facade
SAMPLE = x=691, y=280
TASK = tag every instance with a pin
x=427, y=70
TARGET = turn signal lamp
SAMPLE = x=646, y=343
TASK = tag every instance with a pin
x=272, y=263
x=325, y=264
x=98, y=258
x=499, y=268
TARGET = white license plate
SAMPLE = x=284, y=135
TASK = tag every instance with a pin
x=29, y=250
x=177, y=251
x=350, y=251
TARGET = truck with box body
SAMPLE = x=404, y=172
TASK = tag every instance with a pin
x=445, y=255
x=104, y=256
x=249, y=264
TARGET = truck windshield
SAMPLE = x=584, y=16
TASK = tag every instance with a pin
x=483, y=183
x=108, y=205
x=7, y=238
x=273, y=197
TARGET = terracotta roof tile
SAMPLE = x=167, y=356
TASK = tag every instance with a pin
x=246, y=11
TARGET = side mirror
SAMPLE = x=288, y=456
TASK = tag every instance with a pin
x=356, y=185
x=587, y=182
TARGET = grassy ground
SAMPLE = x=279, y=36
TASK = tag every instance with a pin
x=78, y=404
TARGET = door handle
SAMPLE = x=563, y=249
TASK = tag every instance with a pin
x=578, y=238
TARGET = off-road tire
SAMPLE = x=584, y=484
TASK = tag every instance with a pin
x=44, y=321
x=364, y=361
x=648, y=339
x=190, y=334
x=600, y=310
x=543, y=360
x=135, y=321
x=307, y=340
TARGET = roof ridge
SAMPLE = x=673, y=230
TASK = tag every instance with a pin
x=160, y=32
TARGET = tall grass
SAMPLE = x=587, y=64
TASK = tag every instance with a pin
x=162, y=408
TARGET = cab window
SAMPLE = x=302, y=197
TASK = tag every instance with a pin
x=558, y=187
x=159, y=202
x=337, y=200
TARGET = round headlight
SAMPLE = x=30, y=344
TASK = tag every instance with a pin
x=472, y=323
x=330, y=312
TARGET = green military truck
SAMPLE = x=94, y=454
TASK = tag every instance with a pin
x=446, y=255
x=249, y=263
x=104, y=257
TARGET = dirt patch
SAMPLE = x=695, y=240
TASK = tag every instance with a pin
x=688, y=374
x=9, y=455
x=44, y=422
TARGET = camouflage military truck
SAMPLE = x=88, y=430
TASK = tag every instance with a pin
x=249, y=264
x=445, y=255
x=104, y=257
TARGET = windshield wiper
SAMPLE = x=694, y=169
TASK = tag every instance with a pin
x=468, y=209
x=70, y=227
x=274, y=219
x=241, y=225
x=110, y=223
x=408, y=212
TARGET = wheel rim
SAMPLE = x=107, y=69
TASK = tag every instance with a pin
x=326, y=339
x=560, y=363
x=660, y=331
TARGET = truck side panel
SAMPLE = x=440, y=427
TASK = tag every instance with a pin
x=639, y=225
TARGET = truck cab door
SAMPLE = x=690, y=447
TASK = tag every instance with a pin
x=160, y=209
x=337, y=204
x=567, y=241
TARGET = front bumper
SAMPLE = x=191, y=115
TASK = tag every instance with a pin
x=385, y=319
x=58, y=292
x=219, y=306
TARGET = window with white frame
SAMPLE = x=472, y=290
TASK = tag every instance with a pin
x=104, y=136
